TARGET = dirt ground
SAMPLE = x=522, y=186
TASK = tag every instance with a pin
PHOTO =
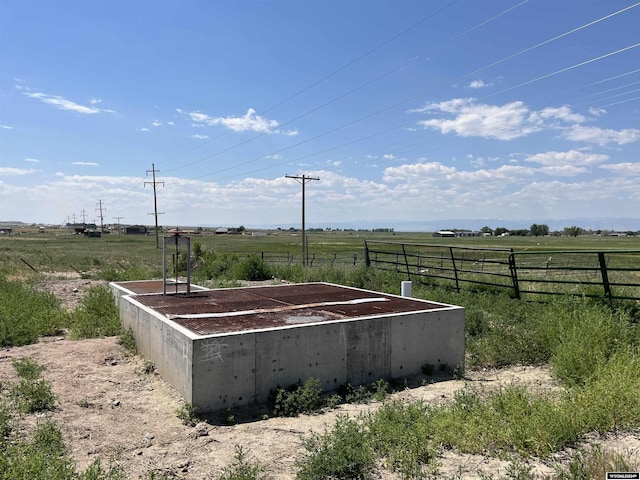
x=109, y=407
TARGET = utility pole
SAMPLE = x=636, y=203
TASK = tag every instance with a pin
x=302, y=180
x=101, y=209
x=155, y=201
x=118, y=220
x=83, y=214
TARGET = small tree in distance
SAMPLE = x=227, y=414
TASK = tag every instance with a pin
x=573, y=231
x=539, y=230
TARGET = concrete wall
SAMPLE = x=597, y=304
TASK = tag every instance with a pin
x=243, y=368
x=168, y=346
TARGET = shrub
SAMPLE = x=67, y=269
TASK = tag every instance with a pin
x=297, y=399
x=43, y=457
x=343, y=452
x=594, y=462
x=243, y=468
x=188, y=414
x=128, y=340
x=585, y=339
x=26, y=314
x=402, y=434
x=32, y=393
x=97, y=316
x=28, y=368
x=252, y=268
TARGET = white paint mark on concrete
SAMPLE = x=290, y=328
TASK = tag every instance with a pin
x=211, y=351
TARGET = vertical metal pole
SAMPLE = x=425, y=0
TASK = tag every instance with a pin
x=514, y=275
x=367, y=260
x=605, y=275
x=455, y=270
x=406, y=262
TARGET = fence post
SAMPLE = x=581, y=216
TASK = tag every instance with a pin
x=514, y=275
x=367, y=260
x=605, y=275
x=406, y=262
x=455, y=270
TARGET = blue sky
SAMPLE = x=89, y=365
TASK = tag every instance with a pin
x=404, y=110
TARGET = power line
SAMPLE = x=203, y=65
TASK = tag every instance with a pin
x=323, y=79
x=414, y=97
x=357, y=88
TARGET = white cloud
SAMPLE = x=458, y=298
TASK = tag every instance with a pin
x=156, y=123
x=563, y=170
x=32, y=160
x=64, y=104
x=170, y=123
x=625, y=169
x=200, y=137
x=389, y=156
x=143, y=129
x=6, y=127
x=570, y=158
x=601, y=136
x=95, y=101
x=12, y=172
x=596, y=111
x=563, y=113
x=274, y=156
x=514, y=120
x=479, y=84
x=251, y=122
x=506, y=122
x=90, y=164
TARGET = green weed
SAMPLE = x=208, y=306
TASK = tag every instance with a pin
x=594, y=462
x=26, y=314
x=243, y=468
x=32, y=393
x=188, y=414
x=251, y=268
x=97, y=316
x=298, y=399
x=28, y=368
x=128, y=340
x=402, y=434
x=342, y=452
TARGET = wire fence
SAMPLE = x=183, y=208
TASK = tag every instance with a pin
x=319, y=259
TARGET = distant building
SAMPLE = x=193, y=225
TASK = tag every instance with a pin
x=445, y=233
x=134, y=230
x=6, y=231
x=468, y=233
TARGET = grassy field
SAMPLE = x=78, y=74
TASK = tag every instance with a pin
x=57, y=251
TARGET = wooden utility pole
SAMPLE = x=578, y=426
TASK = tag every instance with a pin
x=303, y=180
x=101, y=209
x=118, y=220
x=155, y=201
